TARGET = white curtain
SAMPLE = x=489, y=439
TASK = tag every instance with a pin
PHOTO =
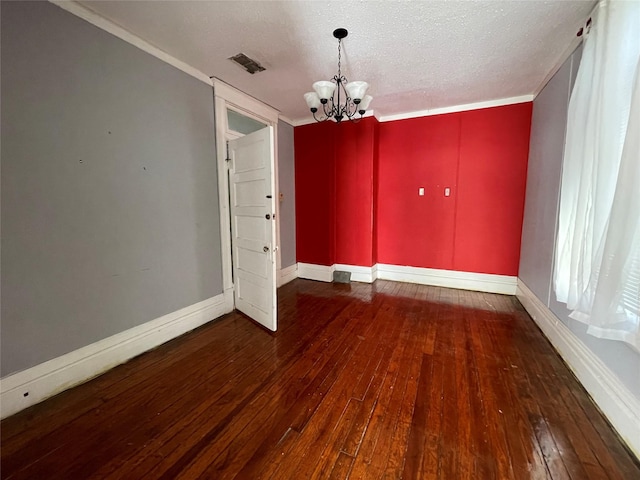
x=597, y=268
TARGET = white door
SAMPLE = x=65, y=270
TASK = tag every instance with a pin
x=253, y=227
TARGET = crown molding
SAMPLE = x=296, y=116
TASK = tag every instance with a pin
x=459, y=108
x=123, y=34
x=575, y=43
x=433, y=111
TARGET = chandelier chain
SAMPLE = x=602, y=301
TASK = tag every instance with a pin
x=339, y=57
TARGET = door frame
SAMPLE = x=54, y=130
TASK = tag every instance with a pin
x=228, y=97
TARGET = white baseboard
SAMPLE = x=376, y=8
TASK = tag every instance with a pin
x=321, y=273
x=285, y=275
x=481, y=282
x=613, y=398
x=229, y=300
x=358, y=273
x=31, y=386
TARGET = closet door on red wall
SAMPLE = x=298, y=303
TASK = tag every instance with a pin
x=494, y=148
x=417, y=153
x=315, y=192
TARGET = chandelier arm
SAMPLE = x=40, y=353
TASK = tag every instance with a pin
x=328, y=113
x=350, y=108
x=339, y=104
x=318, y=119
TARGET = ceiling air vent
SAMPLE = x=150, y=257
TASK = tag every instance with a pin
x=247, y=63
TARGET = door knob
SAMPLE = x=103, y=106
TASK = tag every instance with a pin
x=265, y=249
x=267, y=216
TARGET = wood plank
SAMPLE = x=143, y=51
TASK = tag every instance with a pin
x=255, y=467
x=211, y=420
x=354, y=407
x=584, y=451
x=488, y=362
x=241, y=436
x=384, y=380
x=63, y=408
x=372, y=451
x=526, y=459
x=320, y=429
x=398, y=442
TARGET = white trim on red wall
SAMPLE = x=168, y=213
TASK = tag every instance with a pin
x=481, y=282
x=320, y=273
x=500, y=102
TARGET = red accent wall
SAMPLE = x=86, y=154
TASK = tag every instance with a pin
x=357, y=188
x=417, y=153
x=315, y=187
x=334, y=167
x=376, y=191
x=354, y=207
x=491, y=188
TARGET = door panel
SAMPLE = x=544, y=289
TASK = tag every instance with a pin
x=253, y=226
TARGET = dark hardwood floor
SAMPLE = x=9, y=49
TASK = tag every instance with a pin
x=388, y=380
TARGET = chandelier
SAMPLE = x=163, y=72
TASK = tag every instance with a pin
x=335, y=98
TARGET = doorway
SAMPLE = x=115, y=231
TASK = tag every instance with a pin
x=238, y=115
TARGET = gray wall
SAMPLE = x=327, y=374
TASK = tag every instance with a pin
x=109, y=188
x=541, y=214
x=543, y=183
x=286, y=180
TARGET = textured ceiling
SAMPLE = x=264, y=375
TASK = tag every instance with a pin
x=416, y=55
